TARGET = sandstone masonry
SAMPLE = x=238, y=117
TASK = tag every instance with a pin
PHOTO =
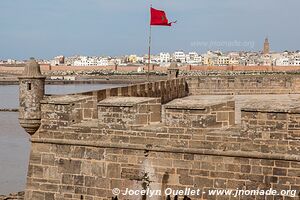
x=155, y=135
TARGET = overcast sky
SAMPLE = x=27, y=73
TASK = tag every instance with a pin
x=44, y=29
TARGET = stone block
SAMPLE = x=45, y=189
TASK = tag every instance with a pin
x=102, y=182
x=245, y=168
x=143, y=108
x=48, y=159
x=89, y=181
x=284, y=164
x=49, y=187
x=186, y=180
x=113, y=170
x=222, y=116
x=38, y=171
x=67, y=179
x=142, y=119
x=200, y=182
x=155, y=108
x=37, y=195
x=291, y=172
x=35, y=158
x=49, y=196
x=231, y=118
x=98, y=169
x=233, y=184
x=78, y=180
x=87, y=113
x=69, y=166
x=271, y=179
x=155, y=117
x=131, y=174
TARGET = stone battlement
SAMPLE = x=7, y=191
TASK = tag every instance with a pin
x=155, y=136
x=244, y=84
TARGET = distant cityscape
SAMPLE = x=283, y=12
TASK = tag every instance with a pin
x=210, y=58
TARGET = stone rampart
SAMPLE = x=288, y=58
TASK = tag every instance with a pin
x=151, y=136
x=244, y=84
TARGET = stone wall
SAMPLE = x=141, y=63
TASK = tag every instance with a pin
x=277, y=129
x=216, y=115
x=91, y=172
x=244, y=84
x=147, y=136
x=87, y=160
x=63, y=111
x=125, y=112
x=167, y=90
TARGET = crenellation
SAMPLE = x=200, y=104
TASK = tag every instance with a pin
x=153, y=134
x=244, y=84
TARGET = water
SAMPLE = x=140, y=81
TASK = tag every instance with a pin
x=9, y=94
x=14, y=141
x=14, y=154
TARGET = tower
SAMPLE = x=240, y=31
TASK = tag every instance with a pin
x=31, y=92
x=173, y=71
x=266, y=46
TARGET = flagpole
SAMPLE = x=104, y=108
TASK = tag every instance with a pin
x=149, y=50
x=149, y=54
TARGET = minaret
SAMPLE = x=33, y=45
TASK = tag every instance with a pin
x=31, y=92
x=266, y=46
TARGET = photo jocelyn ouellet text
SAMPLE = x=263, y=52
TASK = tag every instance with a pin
x=198, y=192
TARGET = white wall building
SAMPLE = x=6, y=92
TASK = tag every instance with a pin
x=193, y=58
x=164, y=57
x=91, y=61
x=282, y=62
x=85, y=61
x=179, y=56
x=58, y=60
x=223, y=61
x=102, y=62
x=11, y=61
x=295, y=61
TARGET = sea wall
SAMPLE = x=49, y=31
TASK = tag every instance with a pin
x=154, y=136
x=124, y=148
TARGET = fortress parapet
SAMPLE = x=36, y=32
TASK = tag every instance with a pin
x=31, y=92
x=153, y=136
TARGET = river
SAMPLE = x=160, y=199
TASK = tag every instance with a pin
x=14, y=141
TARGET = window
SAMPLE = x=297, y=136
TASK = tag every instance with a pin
x=28, y=86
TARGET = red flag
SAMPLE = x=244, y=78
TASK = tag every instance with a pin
x=159, y=18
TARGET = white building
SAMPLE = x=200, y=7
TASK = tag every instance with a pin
x=102, y=62
x=114, y=61
x=85, y=61
x=209, y=58
x=11, y=61
x=58, y=60
x=91, y=61
x=223, y=61
x=234, y=58
x=295, y=61
x=282, y=62
x=288, y=59
x=179, y=56
x=164, y=57
x=193, y=58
